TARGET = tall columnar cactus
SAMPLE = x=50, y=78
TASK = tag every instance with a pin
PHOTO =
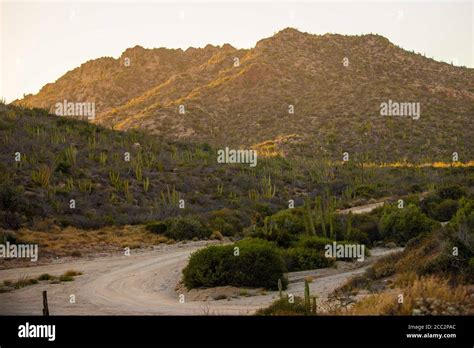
x=320, y=209
x=268, y=190
x=307, y=299
x=308, y=216
x=280, y=288
x=349, y=224
x=331, y=226
x=146, y=184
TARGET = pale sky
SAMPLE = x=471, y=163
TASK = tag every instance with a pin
x=40, y=41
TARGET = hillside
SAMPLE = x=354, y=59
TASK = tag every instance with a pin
x=47, y=160
x=336, y=107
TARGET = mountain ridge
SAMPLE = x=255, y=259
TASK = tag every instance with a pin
x=241, y=97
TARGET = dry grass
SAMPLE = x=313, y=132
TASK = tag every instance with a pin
x=72, y=241
x=421, y=296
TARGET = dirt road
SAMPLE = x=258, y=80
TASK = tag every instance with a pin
x=144, y=283
x=362, y=209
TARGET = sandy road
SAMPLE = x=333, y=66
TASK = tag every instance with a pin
x=144, y=284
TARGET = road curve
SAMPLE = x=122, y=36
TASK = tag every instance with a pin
x=143, y=283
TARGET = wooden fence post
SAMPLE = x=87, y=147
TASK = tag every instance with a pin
x=45, y=304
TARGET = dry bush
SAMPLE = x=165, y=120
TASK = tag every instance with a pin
x=421, y=296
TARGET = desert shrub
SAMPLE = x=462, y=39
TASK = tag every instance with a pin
x=416, y=188
x=226, y=221
x=72, y=273
x=422, y=296
x=284, y=307
x=282, y=227
x=432, y=254
x=289, y=220
x=367, y=224
x=300, y=259
x=22, y=282
x=63, y=167
x=45, y=276
x=66, y=278
x=462, y=224
x=358, y=236
x=11, y=237
x=158, y=227
x=11, y=205
x=313, y=242
x=451, y=192
x=180, y=228
x=263, y=209
x=365, y=191
x=400, y=225
x=274, y=234
x=445, y=210
x=259, y=264
x=440, y=209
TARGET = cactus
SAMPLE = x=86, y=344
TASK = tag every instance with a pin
x=314, y=309
x=70, y=154
x=320, y=206
x=268, y=190
x=349, y=224
x=92, y=141
x=42, y=176
x=69, y=184
x=308, y=216
x=85, y=185
x=331, y=226
x=280, y=288
x=171, y=198
x=146, y=184
x=114, y=179
x=253, y=195
x=126, y=190
x=138, y=172
x=103, y=158
x=306, y=294
x=220, y=189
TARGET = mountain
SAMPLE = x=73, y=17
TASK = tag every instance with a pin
x=335, y=84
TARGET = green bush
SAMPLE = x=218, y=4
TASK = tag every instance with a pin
x=158, y=227
x=358, y=236
x=274, y=234
x=289, y=220
x=284, y=307
x=259, y=264
x=445, y=210
x=226, y=221
x=367, y=224
x=313, y=242
x=180, y=228
x=400, y=225
x=282, y=227
x=365, y=191
x=451, y=192
x=12, y=203
x=462, y=225
x=300, y=259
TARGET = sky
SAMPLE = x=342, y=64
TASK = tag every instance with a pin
x=40, y=41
